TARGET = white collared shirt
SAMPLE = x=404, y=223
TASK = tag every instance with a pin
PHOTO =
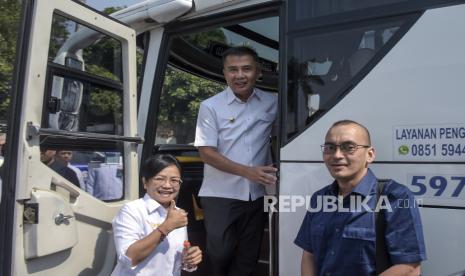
x=136, y=220
x=241, y=132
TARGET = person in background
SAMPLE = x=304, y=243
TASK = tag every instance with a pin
x=105, y=181
x=149, y=232
x=233, y=137
x=65, y=157
x=346, y=242
x=171, y=137
x=47, y=156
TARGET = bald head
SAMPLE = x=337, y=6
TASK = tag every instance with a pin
x=360, y=127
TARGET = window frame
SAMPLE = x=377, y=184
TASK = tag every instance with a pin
x=310, y=29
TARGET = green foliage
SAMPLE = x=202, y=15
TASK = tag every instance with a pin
x=61, y=27
x=110, y=10
x=9, y=21
x=104, y=101
x=183, y=93
x=180, y=102
x=204, y=39
x=103, y=58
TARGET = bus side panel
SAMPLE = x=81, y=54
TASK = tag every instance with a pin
x=416, y=88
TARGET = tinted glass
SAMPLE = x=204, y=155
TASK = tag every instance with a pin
x=309, y=9
x=102, y=57
x=99, y=173
x=323, y=65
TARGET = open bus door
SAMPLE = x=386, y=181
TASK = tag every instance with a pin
x=57, y=227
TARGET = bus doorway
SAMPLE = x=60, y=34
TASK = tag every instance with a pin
x=192, y=73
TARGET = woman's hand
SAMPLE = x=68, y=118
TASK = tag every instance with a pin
x=176, y=218
x=193, y=256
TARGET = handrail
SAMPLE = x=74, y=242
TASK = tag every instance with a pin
x=270, y=240
x=34, y=130
x=74, y=193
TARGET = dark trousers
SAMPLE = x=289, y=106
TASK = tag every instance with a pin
x=234, y=234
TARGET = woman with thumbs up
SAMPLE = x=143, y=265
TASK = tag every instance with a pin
x=149, y=232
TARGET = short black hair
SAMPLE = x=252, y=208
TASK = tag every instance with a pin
x=351, y=122
x=155, y=164
x=240, y=51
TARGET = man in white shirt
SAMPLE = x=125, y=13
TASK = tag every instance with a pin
x=233, y=135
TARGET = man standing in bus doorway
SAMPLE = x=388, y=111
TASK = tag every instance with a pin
x=343, y=243
x=233, y=135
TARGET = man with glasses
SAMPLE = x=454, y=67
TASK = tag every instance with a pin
x=342, y=241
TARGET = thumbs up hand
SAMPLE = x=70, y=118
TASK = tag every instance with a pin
x=176, y=218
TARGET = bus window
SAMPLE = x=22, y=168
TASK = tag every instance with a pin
x=322, y=73
x=304, y=9
x=84, y=94
x=76, y=104
x=84, y=106
x=101, y=57
x=99, y=173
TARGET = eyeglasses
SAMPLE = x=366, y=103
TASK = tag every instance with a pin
x=163, y=180
x=344, y=147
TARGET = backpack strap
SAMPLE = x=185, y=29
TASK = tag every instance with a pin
x=383, y=261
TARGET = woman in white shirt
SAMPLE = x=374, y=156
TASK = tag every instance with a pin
x=149, y=232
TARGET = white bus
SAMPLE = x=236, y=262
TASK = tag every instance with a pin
x=117, y=89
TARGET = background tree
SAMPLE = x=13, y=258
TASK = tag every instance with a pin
x=9, y=20
x=180, y=102
x=183, y=92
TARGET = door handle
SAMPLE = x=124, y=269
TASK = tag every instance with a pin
x=60, y=218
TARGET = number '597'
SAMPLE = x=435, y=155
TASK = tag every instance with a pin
x=438, y=184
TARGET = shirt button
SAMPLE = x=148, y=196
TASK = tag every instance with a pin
x=337, y=230
x=332, y=253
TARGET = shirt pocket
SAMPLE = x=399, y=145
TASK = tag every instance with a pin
x=263, y=125
x=359, y=242
x=266, y=116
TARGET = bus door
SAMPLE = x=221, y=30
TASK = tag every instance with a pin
x=396, y=67
x=75, y=141
x=189, y=70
